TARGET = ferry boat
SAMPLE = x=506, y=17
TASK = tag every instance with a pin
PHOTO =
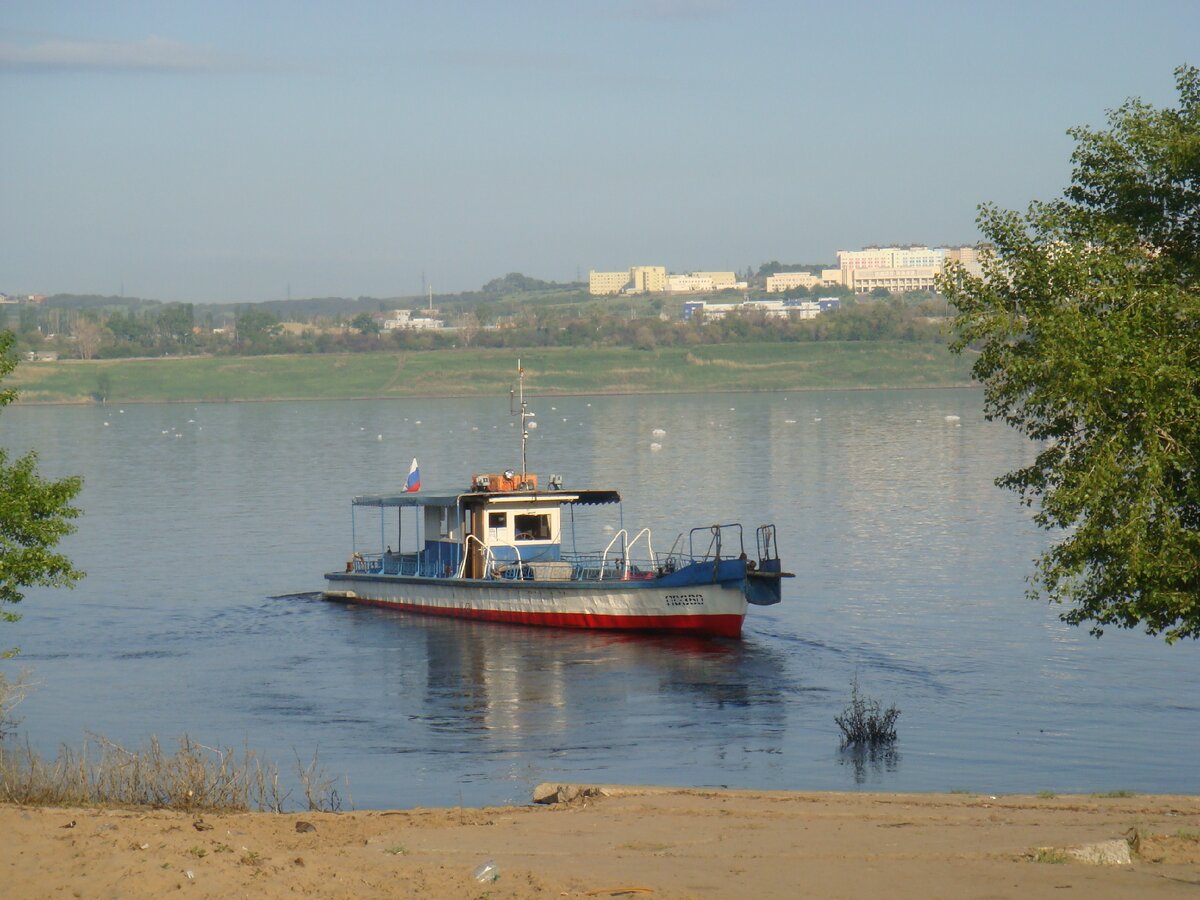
x=503, y=549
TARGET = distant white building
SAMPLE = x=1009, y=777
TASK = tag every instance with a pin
x=425, y=324
x=405, y=320
x=785, y=281
x=689, y=284
x=774, y=309
x=900, y=269
x=397, y=320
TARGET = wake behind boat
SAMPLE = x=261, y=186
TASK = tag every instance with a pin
x=497, y=551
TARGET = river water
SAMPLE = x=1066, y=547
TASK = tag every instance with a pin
x=207, y=530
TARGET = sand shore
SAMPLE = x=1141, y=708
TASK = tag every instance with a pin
x=621, y=841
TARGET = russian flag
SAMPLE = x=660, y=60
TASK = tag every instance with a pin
x=414, y=478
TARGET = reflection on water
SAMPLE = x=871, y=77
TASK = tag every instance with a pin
x=206, y=531
x=870, y=763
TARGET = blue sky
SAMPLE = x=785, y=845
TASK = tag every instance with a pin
x=230, y=151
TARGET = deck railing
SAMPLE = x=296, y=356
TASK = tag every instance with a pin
x=616, y=562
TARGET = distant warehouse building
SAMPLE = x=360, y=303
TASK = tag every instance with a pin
x=774, y=309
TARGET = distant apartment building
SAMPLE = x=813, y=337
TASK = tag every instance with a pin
x=968, y=257
x=638, y=280
x=604, y=283
x=689, y=284
x=721, y=281
x=785, y=281
x=647, y=280
x=894, y=269
x=655, y=280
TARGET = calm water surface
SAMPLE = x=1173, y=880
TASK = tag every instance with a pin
x=207, y=529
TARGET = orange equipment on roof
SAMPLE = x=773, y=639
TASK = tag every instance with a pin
x=503, y=482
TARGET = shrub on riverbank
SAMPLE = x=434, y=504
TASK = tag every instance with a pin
x=864, y=721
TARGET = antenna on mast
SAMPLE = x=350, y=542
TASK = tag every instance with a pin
x=522, y=409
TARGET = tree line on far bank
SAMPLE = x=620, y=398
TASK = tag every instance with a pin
x=644, y=323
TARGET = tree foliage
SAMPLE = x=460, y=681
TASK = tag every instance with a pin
x=516, y=283
x=1087, y=322
x=34, y=515
x=363, y=323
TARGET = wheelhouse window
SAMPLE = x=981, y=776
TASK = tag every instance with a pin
x=530, y=527
x=497, y=520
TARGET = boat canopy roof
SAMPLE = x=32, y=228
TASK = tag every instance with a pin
x=585, y=498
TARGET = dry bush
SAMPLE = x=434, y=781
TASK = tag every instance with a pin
x=865, y=723
x=12, y=692
x=319, y=790
x=194, y=778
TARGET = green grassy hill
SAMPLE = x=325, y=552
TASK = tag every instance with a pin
x=451, y=373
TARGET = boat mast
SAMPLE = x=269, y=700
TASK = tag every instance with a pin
x=524, y=413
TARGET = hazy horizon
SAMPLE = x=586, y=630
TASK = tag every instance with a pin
x=216, y=153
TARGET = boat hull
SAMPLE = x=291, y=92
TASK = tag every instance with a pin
x=712, y=608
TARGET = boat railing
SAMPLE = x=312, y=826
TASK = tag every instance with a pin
x=768, y=547
x=488, y=559
x=717, y=543
x=649, y=549
x=367, y=563
x=505, y=568
x=595, y=566
x=492, y=567
x=401, y=563
x=674, y=558
x=622, y=535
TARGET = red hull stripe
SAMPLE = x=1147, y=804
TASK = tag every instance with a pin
x=715, y=625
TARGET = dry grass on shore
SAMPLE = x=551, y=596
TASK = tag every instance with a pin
x=194, y=778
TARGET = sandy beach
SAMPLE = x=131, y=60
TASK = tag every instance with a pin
x=624, y=841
